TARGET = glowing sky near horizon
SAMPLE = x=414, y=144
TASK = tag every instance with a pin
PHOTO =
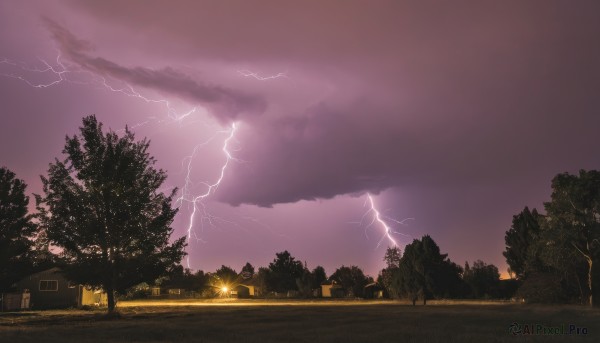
x=455, y=114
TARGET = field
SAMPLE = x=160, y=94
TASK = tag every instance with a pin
x=300, y=321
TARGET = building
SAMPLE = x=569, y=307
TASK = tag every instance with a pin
x=14, y=301
x=50, y=289
x=373, y=291
x=331, y=289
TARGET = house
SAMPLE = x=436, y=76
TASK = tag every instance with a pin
x=50, y=289
x=373, y=291
x=331, y=289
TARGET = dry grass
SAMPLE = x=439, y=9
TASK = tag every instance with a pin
x=295, y=321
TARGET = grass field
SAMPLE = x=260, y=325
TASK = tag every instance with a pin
x=298, y=321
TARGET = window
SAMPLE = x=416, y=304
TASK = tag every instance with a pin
x=48, y=285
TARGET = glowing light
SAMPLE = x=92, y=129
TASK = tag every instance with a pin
x=224, y=289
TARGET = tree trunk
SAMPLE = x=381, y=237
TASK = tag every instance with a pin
x=110, y=295
x=414, y=300
x=424, y=301
x=590, y=282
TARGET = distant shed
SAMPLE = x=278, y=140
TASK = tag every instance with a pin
x=331, y=289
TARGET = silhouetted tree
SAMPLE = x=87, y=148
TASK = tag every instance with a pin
x=318, y=277
x=392, y=259
x=16, y=230
x=103, y=209
x=424, y=272
x=573, y=219
x=262, y=280
x=304, y=283
x=523, y=232
x=185, y=279
x=247, y=271
x=483, y=279
x=352, y=279
x=283, y=272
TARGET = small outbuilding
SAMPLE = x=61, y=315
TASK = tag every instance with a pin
x=243, y=291
x=373, y=291
x=331, y=289
x=51, y=289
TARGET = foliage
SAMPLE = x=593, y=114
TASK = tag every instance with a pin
x=483, y=279
x=186, y=279
x=16, y=230
x=247, y=271
x=103, y=209
x=261, y=280
x=283, y=273
x=523, y=232
x=392, y=260
x=304, y=283
x=541, y=287
x=392, y=257
x=424, y=272
x=352, y=279
x=573, y=219
x=318, y=277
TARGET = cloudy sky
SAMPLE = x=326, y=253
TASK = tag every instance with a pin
x=453, y=114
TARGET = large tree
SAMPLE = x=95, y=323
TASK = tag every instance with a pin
x=352, y=279
x=392, y=260
x=573, y=218
x=522, y=234
x=103, y=208
x=16, y=230
x=425, y=272
x=284, y=270
x=318, y=277
x=483, y=279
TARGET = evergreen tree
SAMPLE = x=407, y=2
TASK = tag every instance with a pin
x=522, y=234
x=283, y=272
x=16, y=230
x=318, y=277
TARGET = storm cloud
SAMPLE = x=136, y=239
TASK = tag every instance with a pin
x=225, y=104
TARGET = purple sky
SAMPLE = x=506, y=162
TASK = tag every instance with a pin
x=456, y=114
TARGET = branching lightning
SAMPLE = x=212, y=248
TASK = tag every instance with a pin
x=210, y=187
x=64, y=72
x=377, y=217
x=248, y=73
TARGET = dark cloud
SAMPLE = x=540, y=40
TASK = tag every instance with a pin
x=224, y=103
x=451, y=95
x=463, y=110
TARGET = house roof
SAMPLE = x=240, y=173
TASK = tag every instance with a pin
x=53, y=270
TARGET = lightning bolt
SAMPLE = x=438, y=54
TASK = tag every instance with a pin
x=248, y=73
x=65, y=72
x=377, y=217
x=197, y=201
